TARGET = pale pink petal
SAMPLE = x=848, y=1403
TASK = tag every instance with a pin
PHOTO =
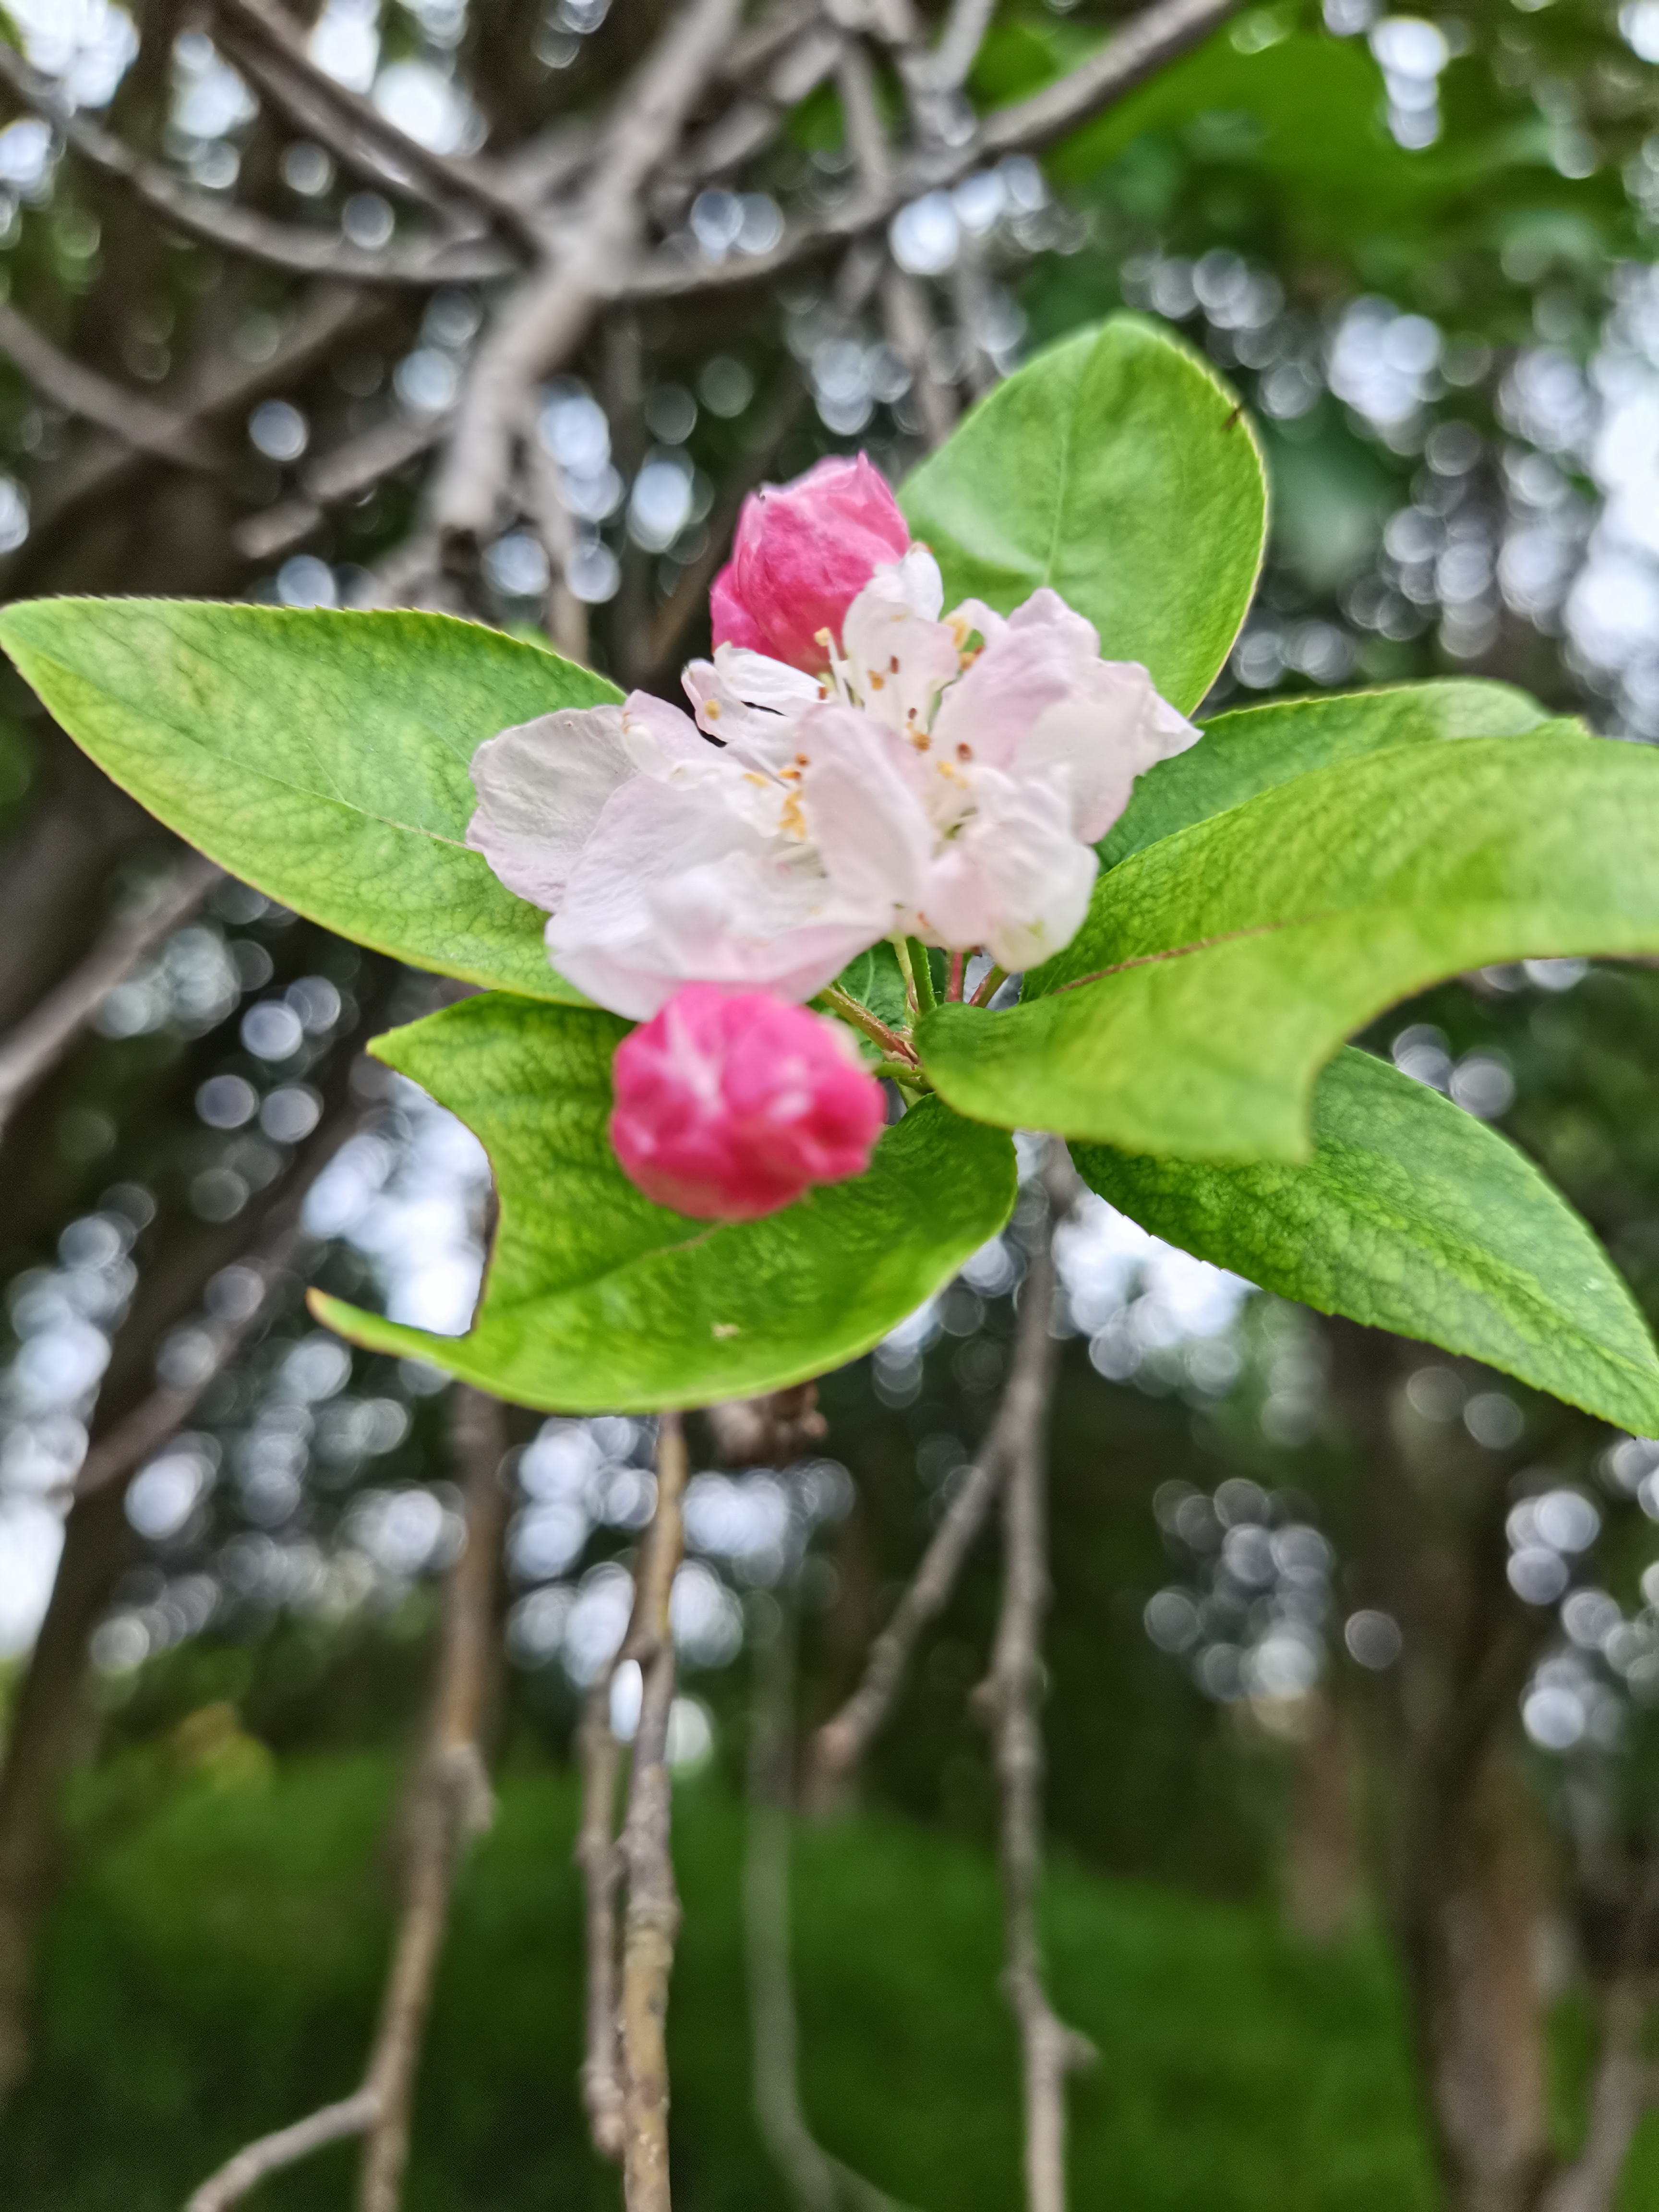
x=661, y=738
x=1014, y=879
x=861, y=809
x=899, y=656
x=542, y=787
x=750, y=703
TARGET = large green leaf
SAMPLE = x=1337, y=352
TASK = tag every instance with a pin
x=1117, y=469
x=1414, y=1216
x=1219, y=970
x=322, y=755
x=595, y=1298
x=1254, y=748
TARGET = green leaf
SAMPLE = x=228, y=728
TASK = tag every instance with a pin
x=322, y=755
x=1413, y=1215
x=1116, y=468
x=1257, y=747
x=1219, y=970
x=595, y=1298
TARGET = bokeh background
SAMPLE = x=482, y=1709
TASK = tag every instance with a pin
x=1354, y=1659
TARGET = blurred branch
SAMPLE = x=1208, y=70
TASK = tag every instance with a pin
x=1622, y=2091
x=818, y=2182
x=127, y=416
x=1012, y=1695
x=256, y=25
x=33, y=1048
x=451, y=1804
x=1159, y=35
x=601, y=1868
x=238, y=229
x=651, y=1921
x=333, y=478
x=550, y=311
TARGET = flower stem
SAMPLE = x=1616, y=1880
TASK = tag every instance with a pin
x=902, y=948
x=953, y=981
x=926, y=1000
x=890, y=1041
x=902, y=1071
x=988, y=988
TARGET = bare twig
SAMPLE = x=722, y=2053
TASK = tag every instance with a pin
x=1012, y=1694
x=652, y=1919
x=843, y=1740
x=601, y=1868
x=566, y=616
x=451, y=1803
x=769, y=1431
x=552, y=309
x=1159, y=35
x=240, y=230
x=256, y=22
x=1622, y=2091
x=128, y=415
x=285, y=2147
x=34, y=1047
x=334, y=478
x=820, y=2182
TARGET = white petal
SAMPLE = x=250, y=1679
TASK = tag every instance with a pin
x=899, y=655
x=749, y=704
x=861, y=811
x=541, y=788
x=1014, y=880
x=675, y=885
x=662, y=739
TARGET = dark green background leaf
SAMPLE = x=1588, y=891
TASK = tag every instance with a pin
x=1219, y=968
x=1117, y=469
x=1412, y=1215
x=321, y=755
x=597, y=1299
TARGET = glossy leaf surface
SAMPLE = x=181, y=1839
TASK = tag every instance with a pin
x=1117, y=469
x=320, y=754
x=1413, y=1215
x=596, y=1299
x=1219, y=968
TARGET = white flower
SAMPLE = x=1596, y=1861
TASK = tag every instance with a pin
x=927, y=787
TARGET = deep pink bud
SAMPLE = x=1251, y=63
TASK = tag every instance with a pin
x=803, y=553
x=729, y=1105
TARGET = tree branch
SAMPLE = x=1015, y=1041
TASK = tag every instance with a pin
x=240, y=230
x=451, y=1803
x=35, y=1047
x=550, y=311
x=652, y=1919
x=127, y=416
x=1013, y=1693
x=600, y=1862
x=1159, y=35
x=1621, y=2092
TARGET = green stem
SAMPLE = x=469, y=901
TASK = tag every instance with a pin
x=902, y=948
x=926, y=998
x=843, y=1003
x=988, y=988
x=903, y=1072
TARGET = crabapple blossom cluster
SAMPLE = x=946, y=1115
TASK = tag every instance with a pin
x=856, y=764
x=894, y=770
x=729, y=1104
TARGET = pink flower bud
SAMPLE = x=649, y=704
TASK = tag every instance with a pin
x=728, y=1106
x=803, y=553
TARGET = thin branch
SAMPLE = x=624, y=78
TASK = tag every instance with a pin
x=820, y=2182
x=286, y=2147
x=240, y=230
x=551, y=310
x=652, y=1919
x=333, y=478
x=451, y=1803
x=127, y=416
x=601, y=1868
x=565, y=615
x=1013, y=1695
x=35, y=1047
x=1159, y=35
x=263, y=24
x=1622, y=2091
